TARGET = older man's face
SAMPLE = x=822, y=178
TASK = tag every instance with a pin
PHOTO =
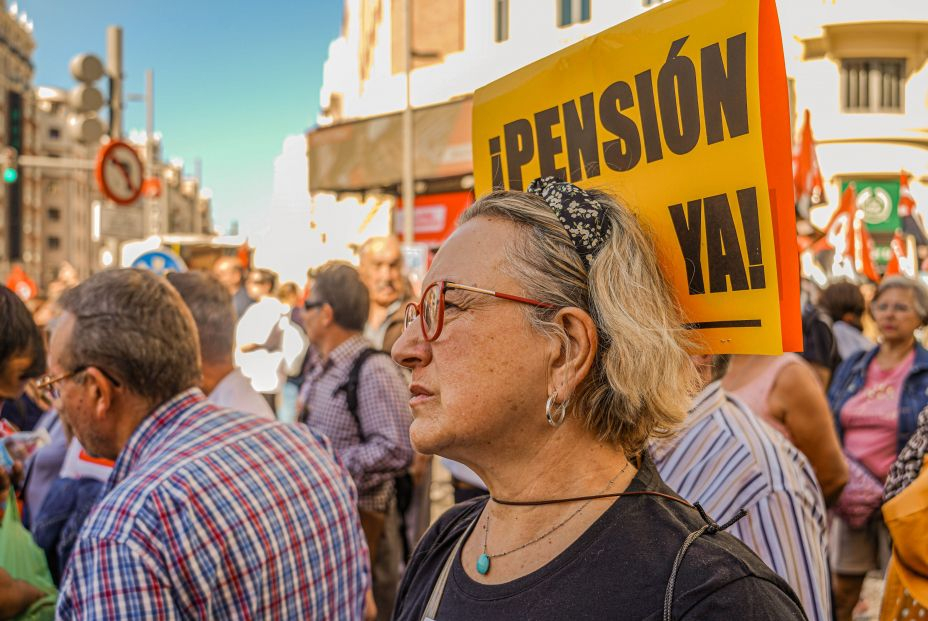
x=381, y=269
x=78, y=403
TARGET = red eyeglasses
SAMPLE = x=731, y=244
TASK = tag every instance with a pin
x=431, y=308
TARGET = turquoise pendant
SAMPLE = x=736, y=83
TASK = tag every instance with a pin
x=483, y=564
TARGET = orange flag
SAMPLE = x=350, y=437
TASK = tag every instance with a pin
x=808, y=186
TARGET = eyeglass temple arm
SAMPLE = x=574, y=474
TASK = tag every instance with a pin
x=505, y=296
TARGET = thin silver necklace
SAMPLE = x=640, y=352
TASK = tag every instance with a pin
x=483, y=561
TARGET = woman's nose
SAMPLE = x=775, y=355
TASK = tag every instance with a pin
x=411, y=350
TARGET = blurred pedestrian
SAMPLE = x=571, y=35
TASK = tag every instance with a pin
x=520, y=351
x=291, y=296
x=209, y=513
x=231, y=273
x=844, y=304
x=876, y=396
x=269, y=347
x=819, y=348
x=905, y=593
x=785, y=392
x=381, y=267
x=22, y=347
x=726, y=459
x=22, y=358
x=211, y=306
x=358, y=398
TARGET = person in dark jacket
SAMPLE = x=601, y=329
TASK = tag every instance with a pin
x=875, y=398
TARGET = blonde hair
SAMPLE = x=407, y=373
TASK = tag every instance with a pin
x=642, y=377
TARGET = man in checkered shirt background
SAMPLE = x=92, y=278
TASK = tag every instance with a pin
x=373, y=442
x=209, y=513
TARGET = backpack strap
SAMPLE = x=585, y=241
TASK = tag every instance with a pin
x=350, y=385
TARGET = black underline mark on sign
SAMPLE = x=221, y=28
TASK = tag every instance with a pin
x=732, y=323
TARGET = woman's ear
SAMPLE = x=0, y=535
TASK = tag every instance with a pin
x=575, y=351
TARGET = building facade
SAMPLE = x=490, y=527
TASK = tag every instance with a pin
x=858, y=66
x=20, y=220
x=66, y=198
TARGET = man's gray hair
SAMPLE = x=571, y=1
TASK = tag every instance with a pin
x=133, y=325
x=339, y=285
x=213, y=311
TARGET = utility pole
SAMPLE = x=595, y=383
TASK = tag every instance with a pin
x=114, y=71
x=409, y=182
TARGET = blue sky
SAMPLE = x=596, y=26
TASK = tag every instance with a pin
x=232, y=78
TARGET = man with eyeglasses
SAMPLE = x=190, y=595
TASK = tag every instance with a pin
x=371, y=438
x=209, y=513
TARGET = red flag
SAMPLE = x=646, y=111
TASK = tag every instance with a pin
x=838, y=234
x=808, y=186
x=906, y=201
x=863, y=260
x=20, y=282
x=897, y=247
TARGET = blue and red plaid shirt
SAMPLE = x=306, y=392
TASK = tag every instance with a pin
x=214, y=514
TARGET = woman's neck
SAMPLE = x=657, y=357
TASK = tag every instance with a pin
x=893, y=352
x=568, y=463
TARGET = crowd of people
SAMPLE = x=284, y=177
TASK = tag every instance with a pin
x=220, y=445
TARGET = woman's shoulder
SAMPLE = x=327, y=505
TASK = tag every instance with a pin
x=716, y=567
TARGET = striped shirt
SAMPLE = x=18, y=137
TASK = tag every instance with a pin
x=214, y=514
x=378, y=451
x=725, y=458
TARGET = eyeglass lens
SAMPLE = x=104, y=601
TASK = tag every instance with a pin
x=431, y=307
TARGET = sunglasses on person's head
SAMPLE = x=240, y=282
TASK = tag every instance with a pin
x=311, y=304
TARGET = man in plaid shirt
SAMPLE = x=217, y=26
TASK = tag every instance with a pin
x=374, y=442
x=209, y=513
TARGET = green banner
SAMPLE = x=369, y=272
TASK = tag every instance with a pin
x=879, y=200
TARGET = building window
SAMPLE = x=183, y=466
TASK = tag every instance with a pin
x=54, y=214
x=502, y=20
x=873, y=85
x=54, y=243
x=54, y=133
x=572, y=12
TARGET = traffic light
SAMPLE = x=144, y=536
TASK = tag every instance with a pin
x=85, y=99
x=10, y=167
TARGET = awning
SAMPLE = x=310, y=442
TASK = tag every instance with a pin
x=368, y=153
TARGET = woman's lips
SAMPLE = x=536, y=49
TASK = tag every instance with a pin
x=420, y=395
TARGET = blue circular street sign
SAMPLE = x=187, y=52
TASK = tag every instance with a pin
x=160, y=262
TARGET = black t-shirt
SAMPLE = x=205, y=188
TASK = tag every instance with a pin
x=617, y=569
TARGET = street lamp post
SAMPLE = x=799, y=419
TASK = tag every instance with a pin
x=152, y=214
x=409, y=182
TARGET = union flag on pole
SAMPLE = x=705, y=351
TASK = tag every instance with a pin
x=912, y=223
x=847, y=234
x=808, y=186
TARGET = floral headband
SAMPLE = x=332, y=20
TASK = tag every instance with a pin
x=582, y=216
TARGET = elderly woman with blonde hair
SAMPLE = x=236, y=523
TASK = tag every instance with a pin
x=546, y=350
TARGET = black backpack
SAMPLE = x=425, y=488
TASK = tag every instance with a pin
x=402, y=483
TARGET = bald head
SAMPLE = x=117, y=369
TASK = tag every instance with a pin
x=381, y=269
x=230, y=272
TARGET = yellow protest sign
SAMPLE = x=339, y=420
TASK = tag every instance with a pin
x=682, y=113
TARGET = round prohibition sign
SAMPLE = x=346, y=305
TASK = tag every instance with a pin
x=119, y=172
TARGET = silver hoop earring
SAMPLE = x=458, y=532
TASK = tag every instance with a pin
x=558, y=417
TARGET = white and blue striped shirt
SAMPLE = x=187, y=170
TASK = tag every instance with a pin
x=726, y=458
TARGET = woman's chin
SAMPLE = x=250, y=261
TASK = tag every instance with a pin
x=427, y=437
